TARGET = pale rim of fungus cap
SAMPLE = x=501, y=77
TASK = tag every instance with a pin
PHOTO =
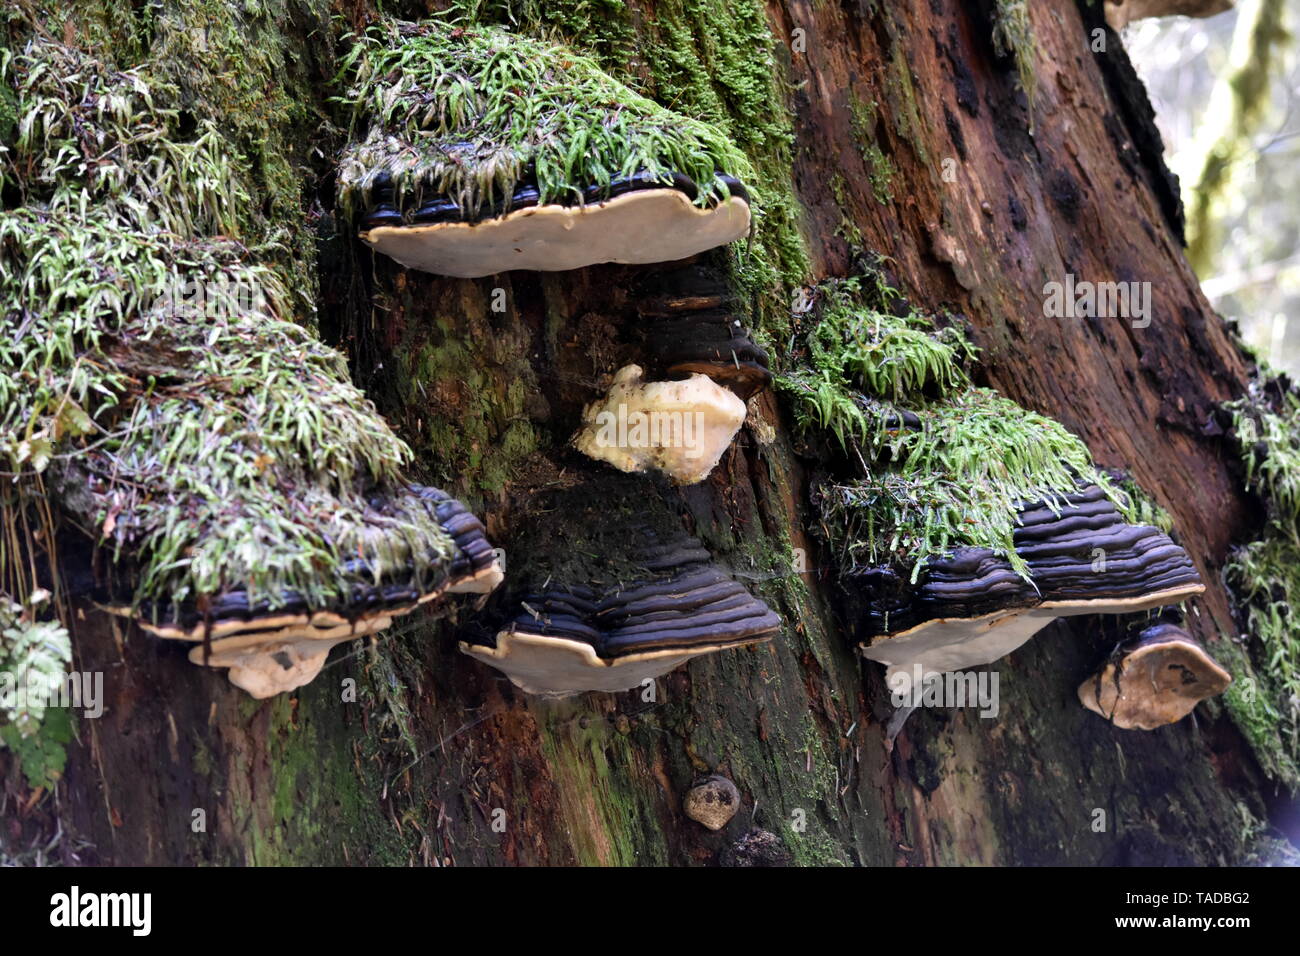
x=634, y=227
x=680, y=428
x=1158, y=678
x=478, y=150
x=279, y=644
x=1082, y=559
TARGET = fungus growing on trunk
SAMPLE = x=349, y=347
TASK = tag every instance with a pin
x=966, y=523
x=1157, y=678
x=712, y=802
x=680, y=428
x=690, y=323
x=972, y=607
x=1120, y=13
x=609, y=592
x=276, y=642
x=484, y=151
x=232, y=485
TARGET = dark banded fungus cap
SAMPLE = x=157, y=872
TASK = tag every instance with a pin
x=971, y=608
x=483, y=151
x=275, y=643
x=691, y=325
x=619, y=595
x=1157, y=678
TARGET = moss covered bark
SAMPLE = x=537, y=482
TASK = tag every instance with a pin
x=410, y=752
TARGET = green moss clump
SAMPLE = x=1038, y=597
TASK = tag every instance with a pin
x=471, y=111
x=1264, y=577
x=1013, y=35
x=152, y=383
x=941, y=463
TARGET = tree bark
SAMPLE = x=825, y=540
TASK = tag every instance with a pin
x=976, y=213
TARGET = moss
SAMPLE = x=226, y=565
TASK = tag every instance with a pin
x=943, y=463
x=322, y=809
x=1013, y=36
x=467, y=393
x=154, y=379
x=1264, y=578
x=472, y=112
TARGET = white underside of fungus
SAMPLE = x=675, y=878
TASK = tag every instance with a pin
x=561, y=667
x=681, y=428
x=957, y=644
x=650, y=225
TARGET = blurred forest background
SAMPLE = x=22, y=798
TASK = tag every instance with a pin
x=1226, y=92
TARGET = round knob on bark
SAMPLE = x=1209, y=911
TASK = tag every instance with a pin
x=713, y=801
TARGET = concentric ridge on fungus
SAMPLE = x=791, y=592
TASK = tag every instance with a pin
x=971, y=607
x=620, y=594
x=481, y=151
x=690, y=321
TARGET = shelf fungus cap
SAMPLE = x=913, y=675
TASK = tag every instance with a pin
x=1120, y=13
x=971, y=607
x=713, y=801
x=613, y=593
x=1156, y=679
x=271, y=646
x=680, y=428
x=661, y=223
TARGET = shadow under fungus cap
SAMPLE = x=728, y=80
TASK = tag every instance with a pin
x=481, y=151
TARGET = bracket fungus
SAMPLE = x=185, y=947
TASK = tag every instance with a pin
x=1157, y=678
x=966, y=523
x=1120, y=13
x=612, y=592
x=277, y=642
x=972, y=607
x=680, y=428
x=204, y=462
x=233, y=487
x=484, y=151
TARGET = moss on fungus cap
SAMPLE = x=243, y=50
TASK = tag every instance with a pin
x=618, y=594
x=1155, y=679
x=226, y=476
x=481, y=151
x=971, y=607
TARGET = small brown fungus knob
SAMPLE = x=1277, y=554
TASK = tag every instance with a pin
x=713, y=801
x=1153, y=680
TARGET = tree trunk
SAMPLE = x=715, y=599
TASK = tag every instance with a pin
x=910, y=137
